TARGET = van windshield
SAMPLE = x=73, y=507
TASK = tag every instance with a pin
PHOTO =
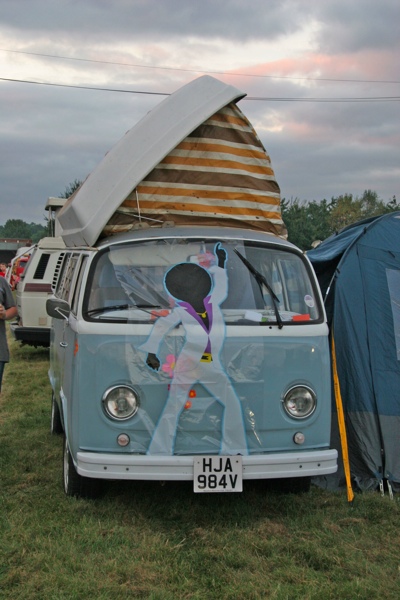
x=257, y=283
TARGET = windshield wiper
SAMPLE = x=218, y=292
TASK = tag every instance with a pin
x=100, y=309
x=259, y=277
x=143, y=307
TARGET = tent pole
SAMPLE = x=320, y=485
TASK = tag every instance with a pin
x=342, y=426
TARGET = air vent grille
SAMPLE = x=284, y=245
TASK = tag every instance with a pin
x=57, y=271
x=41, y=266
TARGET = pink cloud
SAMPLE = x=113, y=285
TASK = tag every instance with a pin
x=366, y=65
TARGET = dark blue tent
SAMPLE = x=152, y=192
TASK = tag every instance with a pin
x=359, y=274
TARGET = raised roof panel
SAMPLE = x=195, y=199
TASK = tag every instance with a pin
x=86, y=212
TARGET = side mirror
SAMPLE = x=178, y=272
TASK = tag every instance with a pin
x=58, y=309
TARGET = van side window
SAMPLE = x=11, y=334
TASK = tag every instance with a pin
x=41, y=266
x=78, y=285
x=66, y=276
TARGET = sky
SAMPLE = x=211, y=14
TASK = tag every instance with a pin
x=322, y=80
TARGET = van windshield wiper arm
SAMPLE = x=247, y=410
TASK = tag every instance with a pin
x=259, y=277
x=101, y=309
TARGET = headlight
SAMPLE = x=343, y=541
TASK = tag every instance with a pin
x=300, y=402
x=120, y=402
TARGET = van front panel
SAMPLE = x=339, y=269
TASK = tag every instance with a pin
x=260, y=370
x=198, y=345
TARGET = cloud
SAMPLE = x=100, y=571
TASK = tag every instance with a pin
x=293, y=49
x=355, y=26
x=127, y=20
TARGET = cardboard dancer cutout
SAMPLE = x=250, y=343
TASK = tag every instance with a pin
x=199, y=293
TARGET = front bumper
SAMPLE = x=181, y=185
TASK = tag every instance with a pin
x=180, y=468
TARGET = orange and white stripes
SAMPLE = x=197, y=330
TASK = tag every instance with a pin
x=219, y=174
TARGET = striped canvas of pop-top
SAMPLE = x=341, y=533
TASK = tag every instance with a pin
x=218, y=175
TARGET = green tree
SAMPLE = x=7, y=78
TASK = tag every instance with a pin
x=71, y=188
x=346, y=210
x=38, y=232
x=306, y=221
x=18, y=229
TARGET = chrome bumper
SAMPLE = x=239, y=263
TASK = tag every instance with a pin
x=180, y=468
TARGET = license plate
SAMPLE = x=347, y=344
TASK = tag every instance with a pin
x=217, y=474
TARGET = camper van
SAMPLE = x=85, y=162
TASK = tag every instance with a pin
x=32, y=326
x=189, y=340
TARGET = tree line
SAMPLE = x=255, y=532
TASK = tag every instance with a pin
x=306, y=222
x=309, y=222
x=20, y=230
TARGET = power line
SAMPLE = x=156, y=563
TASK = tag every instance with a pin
x=163, y=68
x=264, y=99
x=361, y=99
x=84, y=87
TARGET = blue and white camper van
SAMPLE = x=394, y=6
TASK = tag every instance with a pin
x=185, y=350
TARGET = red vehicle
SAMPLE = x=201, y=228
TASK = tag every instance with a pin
x=16, y=269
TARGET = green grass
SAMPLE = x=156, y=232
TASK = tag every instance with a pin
x=144, y=540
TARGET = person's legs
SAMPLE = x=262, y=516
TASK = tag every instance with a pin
x=233, y=425
x=215, y=380
x=163, y=439
x=1, y=372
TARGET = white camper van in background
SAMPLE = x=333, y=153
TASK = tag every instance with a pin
x=37, y=282
x=33, y=324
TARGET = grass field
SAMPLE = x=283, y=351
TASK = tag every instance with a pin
x=144, y=540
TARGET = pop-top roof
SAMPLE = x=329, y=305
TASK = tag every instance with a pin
x=193, y=159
